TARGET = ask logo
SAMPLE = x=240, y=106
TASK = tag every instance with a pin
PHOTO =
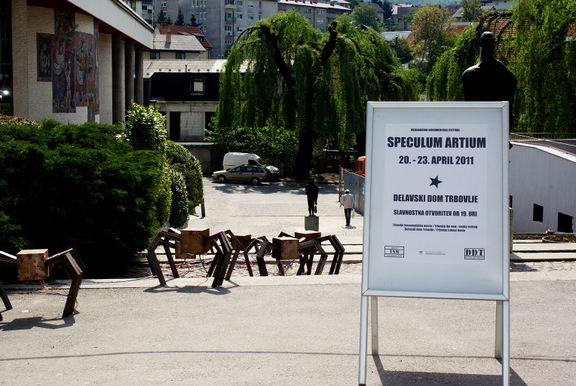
x=394, y=251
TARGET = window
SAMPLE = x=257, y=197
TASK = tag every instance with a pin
x=538, y=213
x=565, y=223
x=180, y=55
x=154, y=54
x=197, y=86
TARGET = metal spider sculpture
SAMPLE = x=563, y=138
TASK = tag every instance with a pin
x=34, y=264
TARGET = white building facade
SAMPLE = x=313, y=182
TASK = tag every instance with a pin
x=75, y=60
x=543, y=185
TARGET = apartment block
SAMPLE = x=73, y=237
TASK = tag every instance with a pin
x=227, y=19
x=320, y=13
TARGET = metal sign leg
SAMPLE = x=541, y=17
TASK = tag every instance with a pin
x=498, y=343
x=374, y=323
x=502, y=349
x=363, y=339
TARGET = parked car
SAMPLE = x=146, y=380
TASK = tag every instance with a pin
x=243, y=173
x=234, y=159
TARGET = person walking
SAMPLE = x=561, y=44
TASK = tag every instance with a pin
x=347, y=200
x=312, y=196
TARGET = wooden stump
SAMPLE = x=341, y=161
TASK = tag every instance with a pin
x=241, y=242
x=308, y=235
x=285, y=248
x=31, y=264
x=194, y=242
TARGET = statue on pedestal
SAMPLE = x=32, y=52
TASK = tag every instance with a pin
x=489, y=79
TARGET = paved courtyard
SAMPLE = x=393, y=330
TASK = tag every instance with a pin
x=292, y=330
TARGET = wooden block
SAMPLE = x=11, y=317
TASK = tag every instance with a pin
x=241, y=242
x=285, y=248
x=308, y=235
x=178, y=250
x=312, y=223
x=31, y=265
x=194, y=241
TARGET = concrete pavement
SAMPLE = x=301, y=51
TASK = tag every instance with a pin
x=281, y=330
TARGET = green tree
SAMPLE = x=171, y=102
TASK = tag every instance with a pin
x=472, y=10
x=365, y=15
x=402, y=49
x=193, y=21
x=444, y=81
x=162, y=17
x=145, y=128
x=545, y=63
x=431, y=39
x=283, y=73
x=386, y=7
x=180, y=18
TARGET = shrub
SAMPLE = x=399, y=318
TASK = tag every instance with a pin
x=180, y=159
x=179, y=208
x=81, y=187
x=145, y=128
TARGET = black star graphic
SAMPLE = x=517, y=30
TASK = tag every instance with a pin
x=435, y=181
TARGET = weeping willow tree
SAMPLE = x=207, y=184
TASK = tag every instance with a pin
x=284, y=73
x=537, y=41
x=444, y=81
x=546, y=65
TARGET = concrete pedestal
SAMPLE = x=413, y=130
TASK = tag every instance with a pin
x=312, y=223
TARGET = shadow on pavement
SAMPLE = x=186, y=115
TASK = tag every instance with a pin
x=29, y=323
x=408, y=378
x=272, y=187
x=191, y=290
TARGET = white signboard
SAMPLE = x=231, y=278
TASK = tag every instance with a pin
x=436, y=221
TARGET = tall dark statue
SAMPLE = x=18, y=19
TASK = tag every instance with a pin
x=312, y=196
x=490, y=79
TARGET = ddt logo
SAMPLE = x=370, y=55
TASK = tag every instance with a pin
x=474, y=254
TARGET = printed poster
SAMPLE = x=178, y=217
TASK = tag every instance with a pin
x=436, y=223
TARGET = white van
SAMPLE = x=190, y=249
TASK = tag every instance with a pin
x=236, y=159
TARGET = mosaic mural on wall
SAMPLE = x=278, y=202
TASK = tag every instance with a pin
x=44, y=42
x=68, y=60
x=63, y=63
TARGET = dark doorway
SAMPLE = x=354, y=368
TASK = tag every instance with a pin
x=174, y=126
x=565, y=223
